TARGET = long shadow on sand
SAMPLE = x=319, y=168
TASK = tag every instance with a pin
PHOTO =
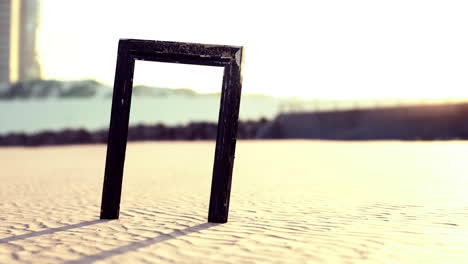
x=50, y=231
x=141, y=244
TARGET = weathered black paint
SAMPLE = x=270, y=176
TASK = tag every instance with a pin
x=130, y=50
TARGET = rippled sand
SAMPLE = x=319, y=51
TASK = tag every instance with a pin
x=292, y=202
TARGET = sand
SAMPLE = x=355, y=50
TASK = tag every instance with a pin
x=292, y=202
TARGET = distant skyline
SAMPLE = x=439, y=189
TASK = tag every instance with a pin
x=18, y=57
x=310, y=49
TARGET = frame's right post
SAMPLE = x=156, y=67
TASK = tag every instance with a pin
x=225, y=142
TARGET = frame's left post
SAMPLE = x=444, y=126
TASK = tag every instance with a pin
x=117, y=138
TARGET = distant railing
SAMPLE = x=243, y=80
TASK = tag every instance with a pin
x=323, y=105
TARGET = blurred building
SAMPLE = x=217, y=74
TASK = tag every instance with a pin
x=5, y=25
x=18, y=26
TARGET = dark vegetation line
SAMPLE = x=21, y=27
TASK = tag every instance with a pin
x=192, y=131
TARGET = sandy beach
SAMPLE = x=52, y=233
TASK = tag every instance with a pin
x=291, y=202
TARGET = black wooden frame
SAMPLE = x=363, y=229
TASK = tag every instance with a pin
x=229, y=57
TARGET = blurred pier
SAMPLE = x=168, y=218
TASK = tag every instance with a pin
x=426, y=121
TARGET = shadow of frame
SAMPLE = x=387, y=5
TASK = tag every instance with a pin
x=50, y=231
x=141, y=244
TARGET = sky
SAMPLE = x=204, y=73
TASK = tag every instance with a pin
x=330, y=49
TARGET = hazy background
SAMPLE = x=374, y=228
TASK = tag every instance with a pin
x=299, y=56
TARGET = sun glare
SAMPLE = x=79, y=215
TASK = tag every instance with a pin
x=333, y=49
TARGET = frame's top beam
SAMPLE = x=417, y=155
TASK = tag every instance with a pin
x=180, y=51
